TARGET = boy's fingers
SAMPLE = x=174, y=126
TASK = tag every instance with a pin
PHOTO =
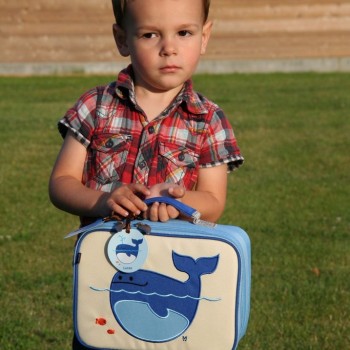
x=137, y=203
x=153, y=211
x=125, y=205
x=172, y=212
x=117, y=209
x=163, y=213
x=139, y=188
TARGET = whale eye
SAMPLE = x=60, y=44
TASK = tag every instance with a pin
x=120, y=277
x=131, y=278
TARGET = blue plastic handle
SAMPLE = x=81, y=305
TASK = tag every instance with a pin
x=181, y=207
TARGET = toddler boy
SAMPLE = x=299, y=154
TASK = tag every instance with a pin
x=149, y=132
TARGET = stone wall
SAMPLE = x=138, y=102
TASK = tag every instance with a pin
x=62, y=31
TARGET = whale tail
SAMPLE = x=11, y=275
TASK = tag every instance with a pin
x=137, y=242
x=200, y=266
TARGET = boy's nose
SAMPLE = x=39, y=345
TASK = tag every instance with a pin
x=168, y=47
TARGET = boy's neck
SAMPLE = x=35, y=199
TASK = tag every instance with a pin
x=154, y=103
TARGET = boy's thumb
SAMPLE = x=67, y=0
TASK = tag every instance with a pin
x=177, y=191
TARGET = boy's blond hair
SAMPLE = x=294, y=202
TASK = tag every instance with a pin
x=119, y=9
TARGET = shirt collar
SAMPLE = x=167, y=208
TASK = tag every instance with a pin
x=125, y=89
x=191, y=99
x=125, y=85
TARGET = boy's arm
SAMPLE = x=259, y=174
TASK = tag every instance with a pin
x=69, y=194
x=209, y=197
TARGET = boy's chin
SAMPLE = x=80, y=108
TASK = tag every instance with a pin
x=170, y=82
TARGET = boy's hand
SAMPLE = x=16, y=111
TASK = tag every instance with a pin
x=161, y=211
x=127, y=199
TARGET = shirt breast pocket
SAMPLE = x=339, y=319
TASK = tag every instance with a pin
x=177, y=162
x=109, y=154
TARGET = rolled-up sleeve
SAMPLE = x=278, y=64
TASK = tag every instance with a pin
x=80, y=119
x=220, y=145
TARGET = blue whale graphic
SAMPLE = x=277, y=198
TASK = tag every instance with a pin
x=157, y=308
x=128, y=253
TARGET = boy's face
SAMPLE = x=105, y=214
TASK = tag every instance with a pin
x=164, y=39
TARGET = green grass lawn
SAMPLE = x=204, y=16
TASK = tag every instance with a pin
x=292, y=196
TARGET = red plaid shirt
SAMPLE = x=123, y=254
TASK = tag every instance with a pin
x=122, y=146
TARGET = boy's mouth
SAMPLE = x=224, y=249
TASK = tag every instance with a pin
x=169, y=69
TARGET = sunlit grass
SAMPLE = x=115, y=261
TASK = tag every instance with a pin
x=291, y=196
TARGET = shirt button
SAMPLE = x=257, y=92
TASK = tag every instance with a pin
x=109, y=144
x=151, y=129
x=181, y=157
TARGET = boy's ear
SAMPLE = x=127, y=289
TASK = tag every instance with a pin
x=206, y=35
x=120, y=39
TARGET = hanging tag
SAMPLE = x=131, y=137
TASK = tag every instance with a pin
x=127, y=251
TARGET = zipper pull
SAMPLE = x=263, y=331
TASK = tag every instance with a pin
x=144, y=228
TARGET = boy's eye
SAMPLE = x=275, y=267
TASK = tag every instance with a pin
x=184, y=33
x=149, y=35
